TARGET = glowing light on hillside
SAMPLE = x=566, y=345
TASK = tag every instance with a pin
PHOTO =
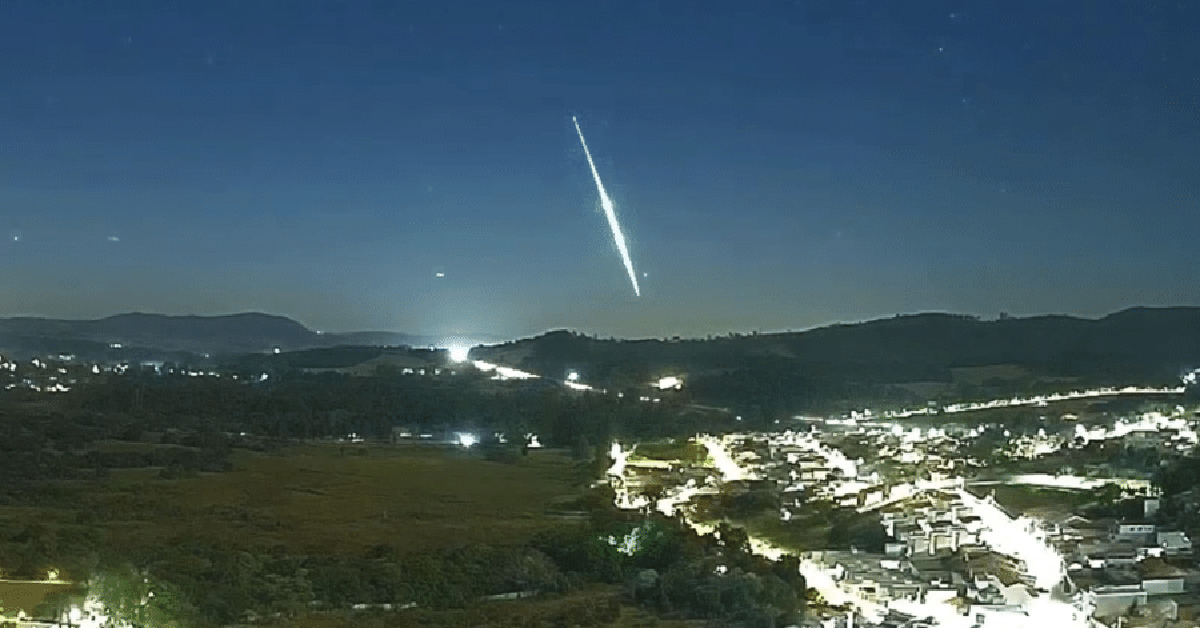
x=1039, y=400
x=618, y=456
x=467, y=439
x=459, y=353
x=669, y=382
x=1192, y=377
x=502, y=372
x=1018, y=538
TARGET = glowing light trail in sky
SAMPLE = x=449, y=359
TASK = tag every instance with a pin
x=607, y=204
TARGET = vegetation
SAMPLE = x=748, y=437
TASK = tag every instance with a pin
x=1178, y=480
x=156, y=491
x=298, y=405
x=769, y=376
x=1026, y=499
x=681, y=450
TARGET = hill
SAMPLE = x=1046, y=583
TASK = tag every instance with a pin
x=885, y=357
x=906, y=359
x=144, y=336
x=155, y=333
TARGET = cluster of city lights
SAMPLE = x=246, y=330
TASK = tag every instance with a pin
x=1038, y=400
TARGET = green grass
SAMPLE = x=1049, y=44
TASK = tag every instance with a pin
x=809, y=530
x=1025, y=499
x=30, y=596
x=319, y=500
x=679, y=450
x=548, y=611
x=323, y=500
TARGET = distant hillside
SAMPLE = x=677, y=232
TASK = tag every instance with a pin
x=144, y=336
x=393, y=339
x=881, y=357
x=355, y=359
x=905, y=359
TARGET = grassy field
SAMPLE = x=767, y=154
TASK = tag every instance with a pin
x=587, y=607
x=324, y=500
x=330, y=500
x=29, y=596
x=1036, y=499
x=677, y=451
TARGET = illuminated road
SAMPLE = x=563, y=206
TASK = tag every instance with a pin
x=1018, y=538
x=1036, y=400
x=1065, y=482
x=502, y=372
x=729, y=468
x=1015, y=537
x=814, y=574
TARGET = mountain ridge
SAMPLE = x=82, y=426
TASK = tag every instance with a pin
x=143, y=335
x=848, y=360
x=1132, y=345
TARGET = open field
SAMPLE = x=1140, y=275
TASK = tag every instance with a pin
x=1020, y=499
x=332, y=500
x=991, y=374
x=679, y=450
x=598, y=605
x=17, y=596
x=321, y=500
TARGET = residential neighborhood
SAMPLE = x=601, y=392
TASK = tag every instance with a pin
x=958, y=523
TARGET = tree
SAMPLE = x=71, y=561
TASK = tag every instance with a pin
x=653, y=492
x=582, y=448
x=130, y=597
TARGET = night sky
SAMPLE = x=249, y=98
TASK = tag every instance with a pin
x=775, y=165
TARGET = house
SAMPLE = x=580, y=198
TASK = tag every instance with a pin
x=871, y=496
x=1174, y=543
x=1108, y=555
x=1137, y=531
x=1116, y=600
x=403, y=433
x=873, y=576
x=1008, y=570
x=1159, y=578
x=1061, y=526
x=1148, y=438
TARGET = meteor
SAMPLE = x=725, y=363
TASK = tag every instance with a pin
x=607, y=204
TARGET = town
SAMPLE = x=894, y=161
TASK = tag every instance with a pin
x=1072, y=508
x=963, y=524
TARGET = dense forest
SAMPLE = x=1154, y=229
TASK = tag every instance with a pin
x=295, y=404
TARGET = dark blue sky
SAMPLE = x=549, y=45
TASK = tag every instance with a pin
x=775, y=165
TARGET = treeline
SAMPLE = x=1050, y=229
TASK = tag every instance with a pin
x=39, y=449
x=666, y=568
x=655, y=562
x=1179, y=482
x=297, y=405
x=183, y=425
x=817, y=369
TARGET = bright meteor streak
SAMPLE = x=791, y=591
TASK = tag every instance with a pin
x=609, y=212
